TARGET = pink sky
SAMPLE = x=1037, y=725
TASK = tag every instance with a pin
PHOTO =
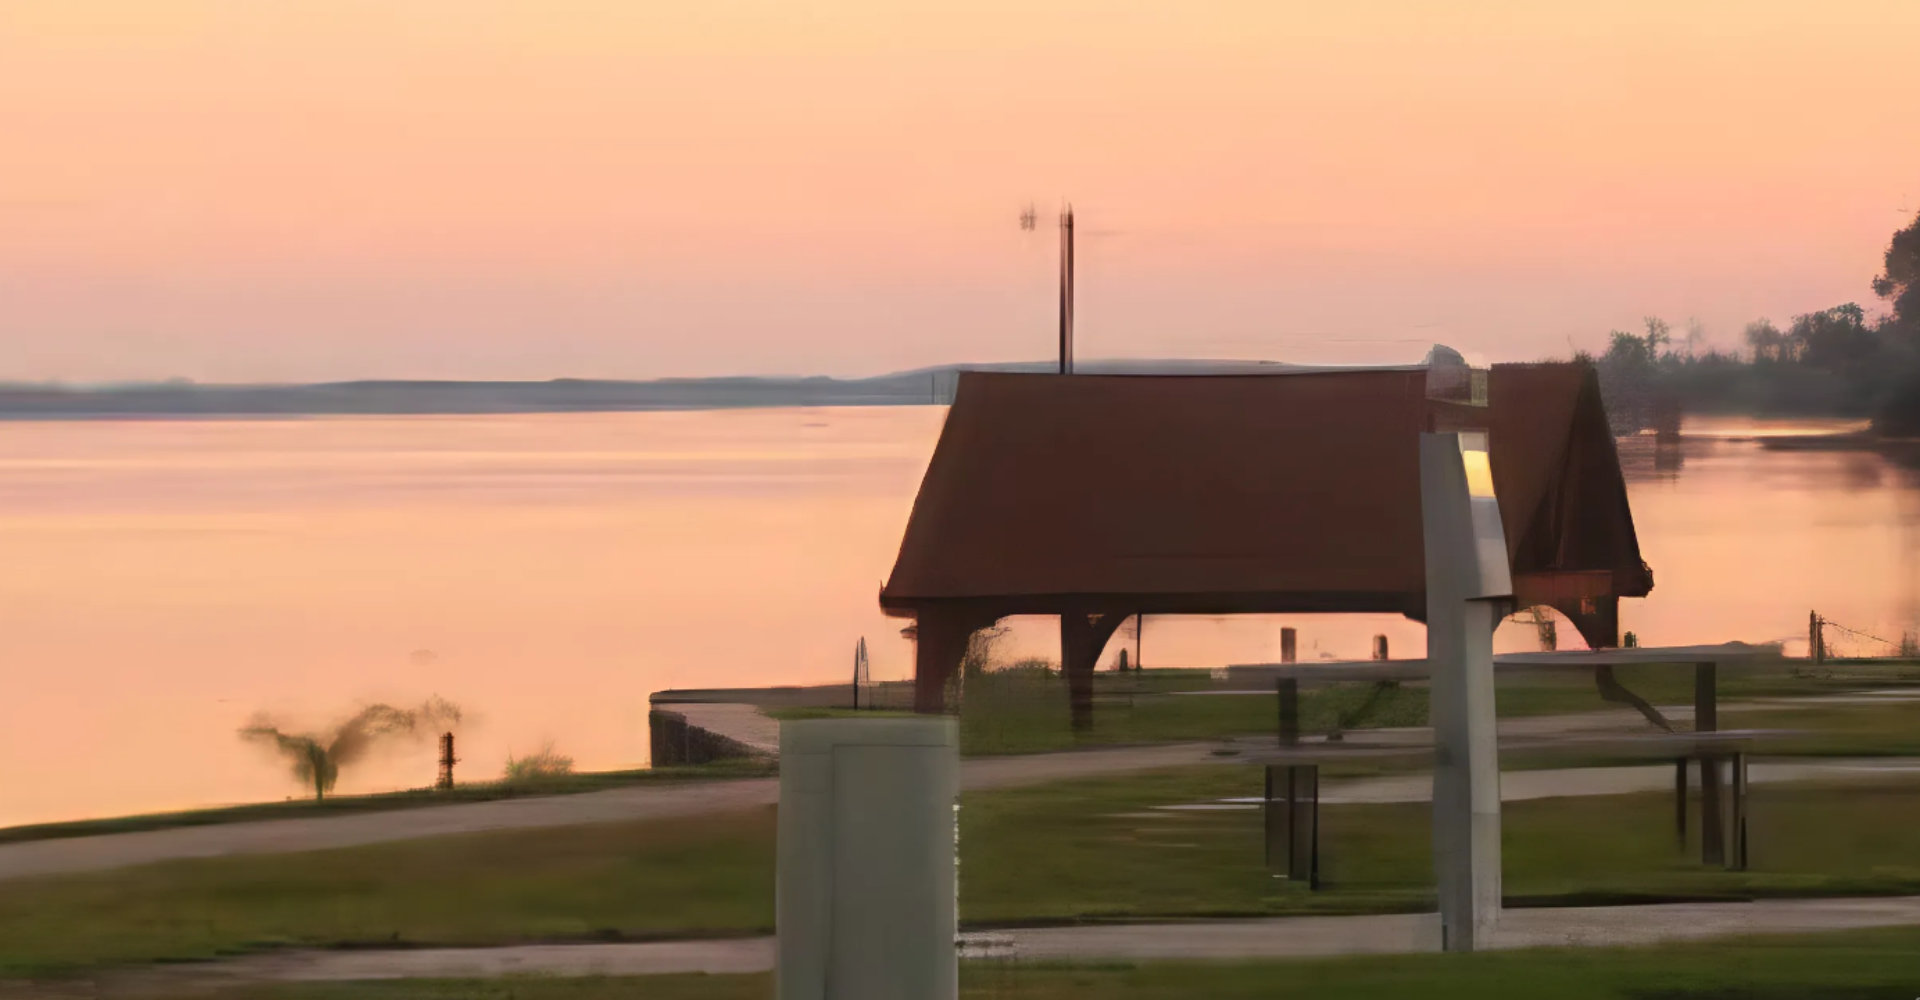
x=317, y=189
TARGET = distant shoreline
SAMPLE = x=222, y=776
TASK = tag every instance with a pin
x=921, y=387
x=459, y=398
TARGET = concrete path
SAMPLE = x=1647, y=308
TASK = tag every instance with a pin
x=1516, y=786
x=743, y=724
x=637, y=802
x=1279, y=937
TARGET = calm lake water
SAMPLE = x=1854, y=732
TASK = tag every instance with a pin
x=167, y=580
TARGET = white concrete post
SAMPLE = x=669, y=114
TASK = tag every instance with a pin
x=1466, y=553
x=865, y=890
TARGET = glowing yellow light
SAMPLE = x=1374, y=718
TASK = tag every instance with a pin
x=1479, y=472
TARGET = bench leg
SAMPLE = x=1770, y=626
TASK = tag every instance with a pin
x=1276, y=815
x=1713, y=834
x=1289, y=728
x=1303, y=805
x=1738, y=823
x=1291, y=822
x=1680, y=803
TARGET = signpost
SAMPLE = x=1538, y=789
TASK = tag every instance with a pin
x=1467, y=579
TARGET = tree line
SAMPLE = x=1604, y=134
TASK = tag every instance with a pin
x=1837, y=361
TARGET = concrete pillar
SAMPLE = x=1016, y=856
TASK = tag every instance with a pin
x=865, y=894
x=1467, y=572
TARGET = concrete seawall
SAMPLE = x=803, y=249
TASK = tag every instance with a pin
x=676, y=739
x=696, y=725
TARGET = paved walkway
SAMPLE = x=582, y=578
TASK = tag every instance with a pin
x=743, y=724
x=1279, y=937
x=1551, y=783
x=636, y=802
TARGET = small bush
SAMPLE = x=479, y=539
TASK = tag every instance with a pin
x=540, y=765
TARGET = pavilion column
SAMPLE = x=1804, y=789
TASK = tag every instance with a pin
x=940, y=644
x=1082, y=637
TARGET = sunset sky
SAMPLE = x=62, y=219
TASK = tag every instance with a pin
x=322, y=189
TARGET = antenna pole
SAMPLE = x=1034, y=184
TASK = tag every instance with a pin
x=1066, y=291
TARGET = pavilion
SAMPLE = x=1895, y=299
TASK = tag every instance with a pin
x=1100, y=497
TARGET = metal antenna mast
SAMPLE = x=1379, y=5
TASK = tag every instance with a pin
x=1066, y=291
x=1029, y=221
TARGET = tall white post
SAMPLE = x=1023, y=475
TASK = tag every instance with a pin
x=1467, y=573
x=865, y=890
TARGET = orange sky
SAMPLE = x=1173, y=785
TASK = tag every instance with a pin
x=310, y=189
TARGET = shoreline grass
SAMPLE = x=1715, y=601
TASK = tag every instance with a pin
x=486, y=791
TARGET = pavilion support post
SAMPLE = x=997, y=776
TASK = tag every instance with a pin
x=1082, y=637
x=940, y=644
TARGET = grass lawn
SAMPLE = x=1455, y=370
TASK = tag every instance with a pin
x=703, y=876
x=1849, y=966
x=1071, y=851
x=484, y=791
x=1054, y=852
x=688, y=987
x=1891, y=728
x=1852, y=965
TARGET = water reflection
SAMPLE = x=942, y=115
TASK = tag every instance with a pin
x=168, y=579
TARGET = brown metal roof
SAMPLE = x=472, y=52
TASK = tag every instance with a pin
x=1247, y=493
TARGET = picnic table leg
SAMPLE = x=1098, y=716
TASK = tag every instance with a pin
x=1289, y=691
x=1303, y=793
x=1680, y=802
x=1738, y=825
x=1713, y=834
x=1277, y=815
x=1706, y=719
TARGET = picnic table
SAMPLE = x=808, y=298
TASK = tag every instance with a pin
x=1291, y=801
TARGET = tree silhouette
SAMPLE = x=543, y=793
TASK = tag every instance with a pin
x=317, y=758
x=1899, y=282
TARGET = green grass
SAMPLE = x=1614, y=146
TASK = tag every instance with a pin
x=1074, y=851
x=1891, y=728
x=1839, y=966
x=485, y=791
x=1849, y=965
x=710, y=875
x=682, y=987
x=1057, y=852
